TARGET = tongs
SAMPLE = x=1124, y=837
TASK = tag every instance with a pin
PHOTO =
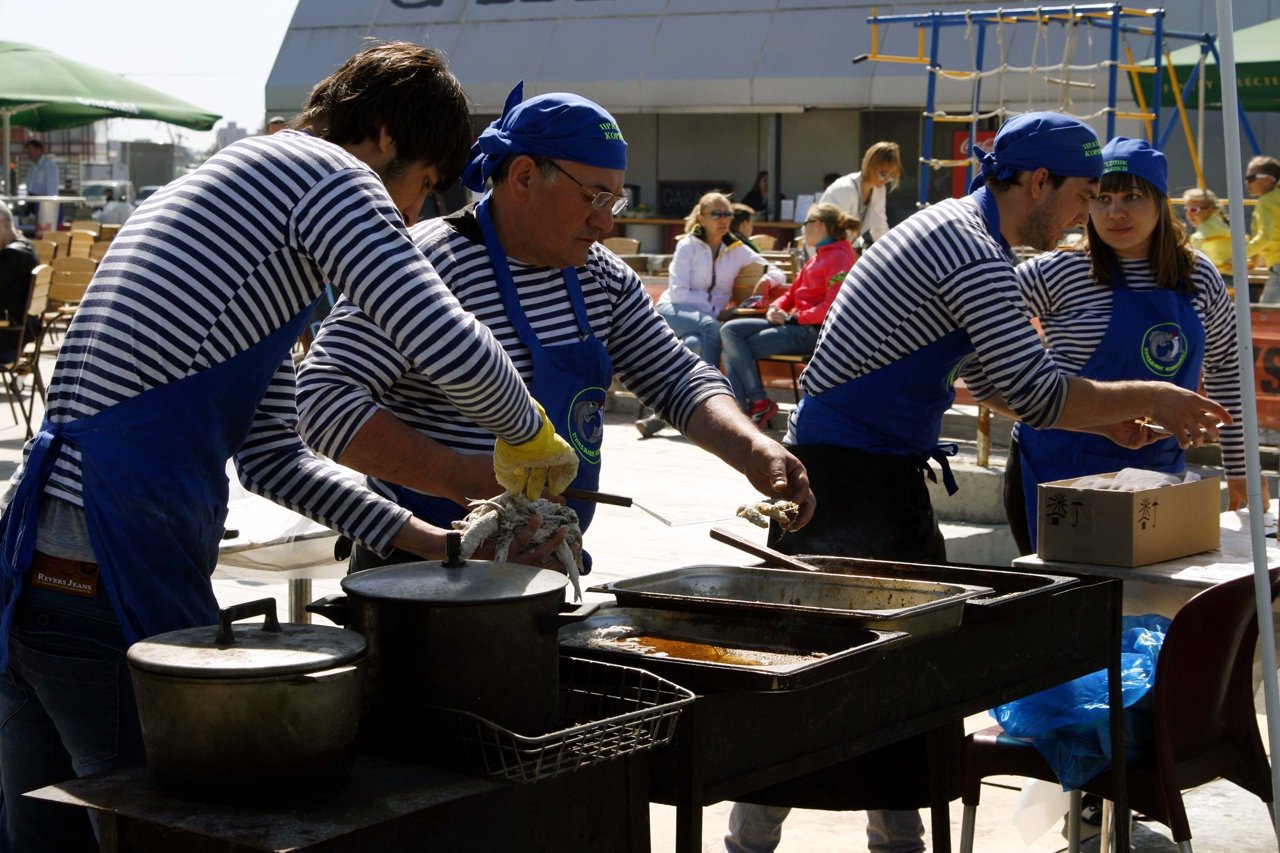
x=619, y=500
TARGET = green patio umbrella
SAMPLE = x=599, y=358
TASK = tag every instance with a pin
x=1257, y=72
x=44, y=91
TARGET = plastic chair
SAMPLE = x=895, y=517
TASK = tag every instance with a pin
x=46, y=250
x=70, y=279
x=1202, y=710
x=622, y=245
x=81, y=242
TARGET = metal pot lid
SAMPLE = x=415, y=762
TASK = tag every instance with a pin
x=474, y=582
x=256, y=653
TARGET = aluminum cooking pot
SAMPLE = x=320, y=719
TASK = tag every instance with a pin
x=471, y=635
x=248, y=712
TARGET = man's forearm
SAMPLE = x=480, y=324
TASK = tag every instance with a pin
x=389, y=449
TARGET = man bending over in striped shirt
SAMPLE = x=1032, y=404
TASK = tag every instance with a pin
x=527, y=261
x=179, y=359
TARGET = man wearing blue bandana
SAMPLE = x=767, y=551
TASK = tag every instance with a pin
x=934, y=300
x=527, y=262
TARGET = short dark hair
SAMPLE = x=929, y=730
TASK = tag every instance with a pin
x=404, y=88
x=34, y=143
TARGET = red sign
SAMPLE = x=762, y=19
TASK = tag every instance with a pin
x=960, y=151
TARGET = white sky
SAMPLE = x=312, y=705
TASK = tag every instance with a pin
x=216, y=54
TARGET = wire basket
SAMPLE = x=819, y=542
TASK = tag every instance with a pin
x=609, y=711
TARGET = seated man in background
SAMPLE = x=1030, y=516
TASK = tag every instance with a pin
x=17, y=260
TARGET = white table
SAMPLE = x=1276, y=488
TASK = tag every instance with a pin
x=271, y=540
x=1164, y=587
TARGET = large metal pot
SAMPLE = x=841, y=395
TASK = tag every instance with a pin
x=472, y=635
x=249, y=712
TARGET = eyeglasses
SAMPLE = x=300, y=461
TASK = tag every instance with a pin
x=888, y=176
x=615, y=204
x=720, y=214
x=811, y=221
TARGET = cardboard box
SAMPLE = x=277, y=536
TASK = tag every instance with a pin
x=1127, y=528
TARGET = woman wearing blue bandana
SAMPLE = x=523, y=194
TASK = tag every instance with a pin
x=933, y=300
x=1135, y=302
x=528, y=263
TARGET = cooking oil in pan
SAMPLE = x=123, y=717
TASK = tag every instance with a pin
x=705, y=652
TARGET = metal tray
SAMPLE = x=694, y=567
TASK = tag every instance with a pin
x=1010, y=590
x=916, y=606
x=707, y=652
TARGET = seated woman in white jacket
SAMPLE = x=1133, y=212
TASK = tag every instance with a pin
x=700, y=282
x=707, y=260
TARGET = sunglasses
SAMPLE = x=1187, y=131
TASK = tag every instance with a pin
x=1256, y=176
x=1192, y=209
x=811, y=221
x=721, y=214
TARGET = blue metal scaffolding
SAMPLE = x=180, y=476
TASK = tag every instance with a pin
x=1112, y=18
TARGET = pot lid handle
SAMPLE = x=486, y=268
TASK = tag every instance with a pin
x=453, y=550
x=265, y=607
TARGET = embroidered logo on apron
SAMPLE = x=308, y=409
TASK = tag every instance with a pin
x=586, y=423
x=957, y=370
x=1163, y=350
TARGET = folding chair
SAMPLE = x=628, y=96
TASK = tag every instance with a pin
x=1202, y=710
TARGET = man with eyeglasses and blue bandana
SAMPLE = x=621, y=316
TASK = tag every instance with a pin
x=527, y=261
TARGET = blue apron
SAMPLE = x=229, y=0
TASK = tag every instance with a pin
x=897, y=410
x=570, y=381
x=1153, y=334
x=155, y=490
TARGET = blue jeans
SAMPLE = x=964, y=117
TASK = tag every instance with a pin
x=758, y=829
x=698, y=331
x=67, y=709
x=747, y=339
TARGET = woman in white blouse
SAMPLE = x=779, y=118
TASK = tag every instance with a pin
x=862, y=194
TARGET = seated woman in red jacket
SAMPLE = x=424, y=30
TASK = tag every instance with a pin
x=790, y=326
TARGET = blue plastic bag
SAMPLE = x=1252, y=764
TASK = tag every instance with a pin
x=1070, y=724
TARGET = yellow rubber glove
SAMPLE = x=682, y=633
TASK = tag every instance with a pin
x=544, y=462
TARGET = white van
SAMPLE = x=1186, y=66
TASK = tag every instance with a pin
x=109, y=201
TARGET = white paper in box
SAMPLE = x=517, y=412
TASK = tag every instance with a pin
x=1115, y=528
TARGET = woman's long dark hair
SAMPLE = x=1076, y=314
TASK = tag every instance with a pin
x=1171, y=257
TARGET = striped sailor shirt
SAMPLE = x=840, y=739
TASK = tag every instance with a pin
x=936, y=272
x=219, y=259
x=353, y=368
x=1075, y=312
